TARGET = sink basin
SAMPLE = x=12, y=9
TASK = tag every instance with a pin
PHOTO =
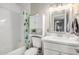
x=66, y=36
x=68, y=39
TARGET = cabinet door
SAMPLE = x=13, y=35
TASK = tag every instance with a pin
x=51, y=46
x=49, y=52
x=64, y=54
x=70, y=49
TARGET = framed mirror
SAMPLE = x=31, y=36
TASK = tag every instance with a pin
x=59, y=24
x=60, y=20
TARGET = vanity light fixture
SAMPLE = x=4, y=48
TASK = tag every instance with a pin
x=59, y=7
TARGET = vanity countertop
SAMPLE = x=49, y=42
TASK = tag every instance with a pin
x=62, y=40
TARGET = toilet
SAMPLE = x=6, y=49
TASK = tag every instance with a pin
x=36, y=48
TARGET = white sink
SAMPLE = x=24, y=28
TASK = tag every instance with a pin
x=65, y=39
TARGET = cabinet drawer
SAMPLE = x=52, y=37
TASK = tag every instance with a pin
x=69, y=49
x=64, y=54
x=51, y=46
x=49, y=52
x=61, y=48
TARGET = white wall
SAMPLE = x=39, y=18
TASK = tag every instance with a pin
x=39, y=8
x=11, y=31
x=5, y=32
x=16, y=29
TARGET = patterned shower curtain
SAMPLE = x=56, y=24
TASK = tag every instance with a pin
x=27, y=29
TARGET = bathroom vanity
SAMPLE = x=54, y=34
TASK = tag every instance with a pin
x=60, y=42
x=60, y=45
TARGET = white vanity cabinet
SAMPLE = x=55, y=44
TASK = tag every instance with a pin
x=50, y=48
x=60, y=47
x=50, y=52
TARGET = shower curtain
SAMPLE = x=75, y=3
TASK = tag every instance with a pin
x=26, y=29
